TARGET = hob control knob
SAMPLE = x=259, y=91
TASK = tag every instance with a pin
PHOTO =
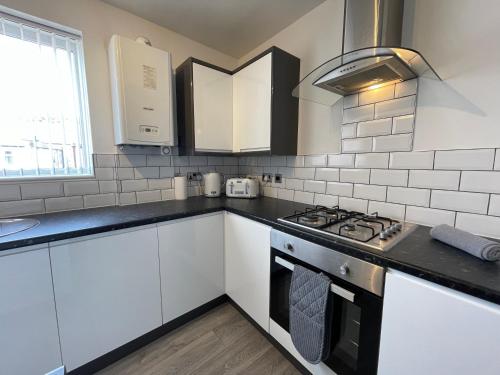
x=289, y=246
x=382, y=235
x=399, y=226
x=344, y=269
x=393, y=229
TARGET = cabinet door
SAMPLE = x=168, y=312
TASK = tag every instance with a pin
x=429, y=329
x=107, y=291
x=213, y=109
x=29, y=342
x=252, y=105
x=191, y=263
x=247, y=263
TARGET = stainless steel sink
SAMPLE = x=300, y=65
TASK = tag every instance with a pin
x=11, y=226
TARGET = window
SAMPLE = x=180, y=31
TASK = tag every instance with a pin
x=44, y=122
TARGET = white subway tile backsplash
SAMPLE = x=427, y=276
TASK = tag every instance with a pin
x=429, y=216
x=376, y=95
x=372, y=192
x=105, y=161
x=18, y=208
x=372, y=160
x=294, y=184
x=148, y=196
x=146, y=172
x=315, y=186
x=160, y=183
x=63, y=204
x=340, y=189
x=356, y=145
x=494, y=205
x=460, y=201
x=348, y=131
x=108, y=186
x=180, y=161
x=127, y=198
x=389, y=177
x=357, y=114
x=166, y=172
x=276, y=161
x=134, y=185
x=350, y=101
x=10, y=192
x=445, y=180
x=412, y=160
x=295, y=161
x=394, y=211
x=497, y=160
x=397, y=142
x=465, y=159
x=81, y=187
x=132, y=160
x=168, y=194
x=341, y=161
x=315, y=161
x=99, y=200
x=41, y=190
x=327, y=174
x=125, y=173
x=285, y=194
x=411, y=196
x=374, y=127
x=479, y=224
x=402, y=124
x=395, y=107
x=483, y=182
x=159, y=161
x=304, y=173
x=326, y=200
x=104, y=173
x=354, y=204
x=360, y=176
x=230, y=160
x=196, y=161
x=406, y=88
x=303, y=197
x=284, y=171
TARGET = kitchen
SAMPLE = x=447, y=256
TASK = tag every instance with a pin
x=170, y=172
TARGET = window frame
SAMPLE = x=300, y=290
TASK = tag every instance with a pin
x=85, y=128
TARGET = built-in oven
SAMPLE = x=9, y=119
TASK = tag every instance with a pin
x=356, y=300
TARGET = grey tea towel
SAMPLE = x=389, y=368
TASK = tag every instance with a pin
x=309, y=314
x=478, y=246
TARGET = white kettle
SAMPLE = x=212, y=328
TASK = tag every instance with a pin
x=213, y=183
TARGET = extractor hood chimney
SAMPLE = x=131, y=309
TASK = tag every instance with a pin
x=372, y=55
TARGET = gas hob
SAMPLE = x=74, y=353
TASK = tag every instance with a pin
x=370, y=231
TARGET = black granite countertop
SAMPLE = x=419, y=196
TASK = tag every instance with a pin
x=418, y=254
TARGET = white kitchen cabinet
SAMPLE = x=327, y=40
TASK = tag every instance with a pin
x=213, y=109
x=252, y=106
x=191, y=263
x=29, y=342
x=247, y=263
x=429, y=329
x=107, y=291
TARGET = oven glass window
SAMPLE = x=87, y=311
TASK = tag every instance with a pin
x=346, y=332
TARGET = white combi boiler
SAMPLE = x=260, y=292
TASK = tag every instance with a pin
x=142, y=92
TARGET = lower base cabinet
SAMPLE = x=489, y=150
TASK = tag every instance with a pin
x=107, y=291
x=191, y=263
x=247, y=263
x=29, y=342
x=429, y=329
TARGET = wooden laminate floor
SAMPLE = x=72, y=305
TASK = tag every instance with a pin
x=219, y=342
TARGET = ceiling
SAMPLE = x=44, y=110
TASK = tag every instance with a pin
x=234, y=27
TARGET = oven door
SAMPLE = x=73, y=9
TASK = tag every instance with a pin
x=356, y=320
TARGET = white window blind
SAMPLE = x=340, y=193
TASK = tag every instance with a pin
x=44, y=123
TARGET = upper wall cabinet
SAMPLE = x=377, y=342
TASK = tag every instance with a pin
x=248, y=110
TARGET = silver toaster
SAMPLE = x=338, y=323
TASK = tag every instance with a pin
x=242, y=188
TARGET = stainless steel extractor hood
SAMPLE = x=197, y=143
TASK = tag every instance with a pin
x=372, y=55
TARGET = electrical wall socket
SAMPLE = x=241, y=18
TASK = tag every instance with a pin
x=278, y=178
x=267, y=177
x=193, y=176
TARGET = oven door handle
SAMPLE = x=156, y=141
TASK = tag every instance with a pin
x=338, y=290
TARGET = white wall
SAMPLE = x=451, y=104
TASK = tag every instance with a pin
x=314, y=38
x=460, y=39
x=98, y=21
